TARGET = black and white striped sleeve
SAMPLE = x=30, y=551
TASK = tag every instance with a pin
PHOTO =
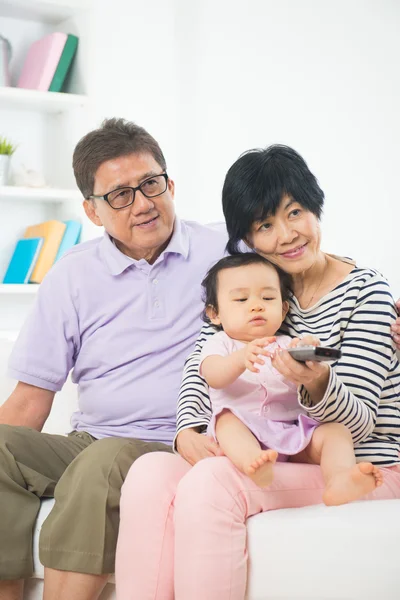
x=368, y=354
x=194, y=408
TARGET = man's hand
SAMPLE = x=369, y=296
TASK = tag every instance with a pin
x=253, y=350
x=193, y=446
x=396, y=327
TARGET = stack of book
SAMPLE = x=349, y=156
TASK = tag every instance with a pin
x=41, y=246
x=48, y=62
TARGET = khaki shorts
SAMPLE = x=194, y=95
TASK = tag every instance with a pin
x=85, y=476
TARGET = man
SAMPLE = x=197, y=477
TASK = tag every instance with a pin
x=123, y=311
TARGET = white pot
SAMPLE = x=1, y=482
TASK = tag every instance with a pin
x=4, y=168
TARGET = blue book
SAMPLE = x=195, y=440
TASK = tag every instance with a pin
x=71, y=237
x=23, y=260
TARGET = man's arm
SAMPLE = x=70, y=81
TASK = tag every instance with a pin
x=28, y=406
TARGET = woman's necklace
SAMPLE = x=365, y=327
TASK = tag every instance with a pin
x=319, y=284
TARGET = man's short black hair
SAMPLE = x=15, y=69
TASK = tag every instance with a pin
x=256, y=183
x=210, y=282
x=115, y=138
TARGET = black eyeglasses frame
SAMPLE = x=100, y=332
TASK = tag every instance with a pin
x=134, y=189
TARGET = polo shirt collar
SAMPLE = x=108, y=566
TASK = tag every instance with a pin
x=179, y=242
x=117, y=262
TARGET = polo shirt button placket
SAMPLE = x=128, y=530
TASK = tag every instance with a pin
x=157, y=308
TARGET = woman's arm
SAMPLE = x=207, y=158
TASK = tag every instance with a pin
x=396, y=327
x=368, y=355
x=194, y=407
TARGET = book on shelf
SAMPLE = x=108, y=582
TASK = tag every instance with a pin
x=52, y=233
x=71, y=237
x=23, y=260
x=64, y=64
x=48, y=62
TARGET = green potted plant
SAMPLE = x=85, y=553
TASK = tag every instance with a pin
x=7, y=149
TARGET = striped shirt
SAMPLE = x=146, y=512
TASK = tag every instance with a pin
x=363, y=392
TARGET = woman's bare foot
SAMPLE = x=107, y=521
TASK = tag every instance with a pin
x=352, y=484
x=260, y=470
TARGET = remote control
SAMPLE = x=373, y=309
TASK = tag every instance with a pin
x=315, y=353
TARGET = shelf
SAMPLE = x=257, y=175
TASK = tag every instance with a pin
x=27, y=194
x=9, y=335
x=47, y=11
x=18, y=288
x=47, y=102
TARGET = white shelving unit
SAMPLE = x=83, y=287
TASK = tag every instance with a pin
x=49, y=195
x=47, y=11
x=44, y=102
x=45, y=126
x=24, y=289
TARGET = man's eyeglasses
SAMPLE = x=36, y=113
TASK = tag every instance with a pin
x=123, y=197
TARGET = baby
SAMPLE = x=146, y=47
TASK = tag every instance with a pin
x=256, y=416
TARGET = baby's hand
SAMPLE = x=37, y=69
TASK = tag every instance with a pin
x=252, y=353
x=307, y=340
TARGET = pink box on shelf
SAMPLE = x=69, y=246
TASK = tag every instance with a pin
x=41, y=62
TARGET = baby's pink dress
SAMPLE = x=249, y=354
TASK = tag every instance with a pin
x=266, y=402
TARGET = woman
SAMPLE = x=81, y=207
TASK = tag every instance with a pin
x=195, y=517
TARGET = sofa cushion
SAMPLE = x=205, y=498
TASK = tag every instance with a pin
x=346, y=552
x=341, y=553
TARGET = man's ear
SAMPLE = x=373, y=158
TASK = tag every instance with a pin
x=91, y=212
x=213, y=315
x=285, y=309
x=171, y=187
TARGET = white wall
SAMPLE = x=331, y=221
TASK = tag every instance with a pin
x=322, y=77
x=126, y=64
x=211, y=79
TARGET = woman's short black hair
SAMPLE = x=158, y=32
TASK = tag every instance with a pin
x=210, y=282
x=256, y=183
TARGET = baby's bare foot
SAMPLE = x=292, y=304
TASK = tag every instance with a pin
x=260, y=470
x=352, y=484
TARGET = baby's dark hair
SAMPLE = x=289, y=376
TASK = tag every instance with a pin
x=210, y=282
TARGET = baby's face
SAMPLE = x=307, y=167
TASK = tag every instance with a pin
x=249, y=302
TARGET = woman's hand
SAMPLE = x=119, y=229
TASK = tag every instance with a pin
x=396, y=327
x=307, y=340
x=253, y=350
x=313, y=375
x=194, y=446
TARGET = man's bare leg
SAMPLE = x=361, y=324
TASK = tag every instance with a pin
x=65, y=585
x=11, y=590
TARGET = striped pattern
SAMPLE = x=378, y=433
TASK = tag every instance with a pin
x=364, y=388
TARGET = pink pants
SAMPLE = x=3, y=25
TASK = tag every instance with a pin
x=183, y=530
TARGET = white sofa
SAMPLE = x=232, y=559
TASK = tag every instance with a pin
x=315, y=553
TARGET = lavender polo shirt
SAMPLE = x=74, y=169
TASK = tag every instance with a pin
x=124, y=327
